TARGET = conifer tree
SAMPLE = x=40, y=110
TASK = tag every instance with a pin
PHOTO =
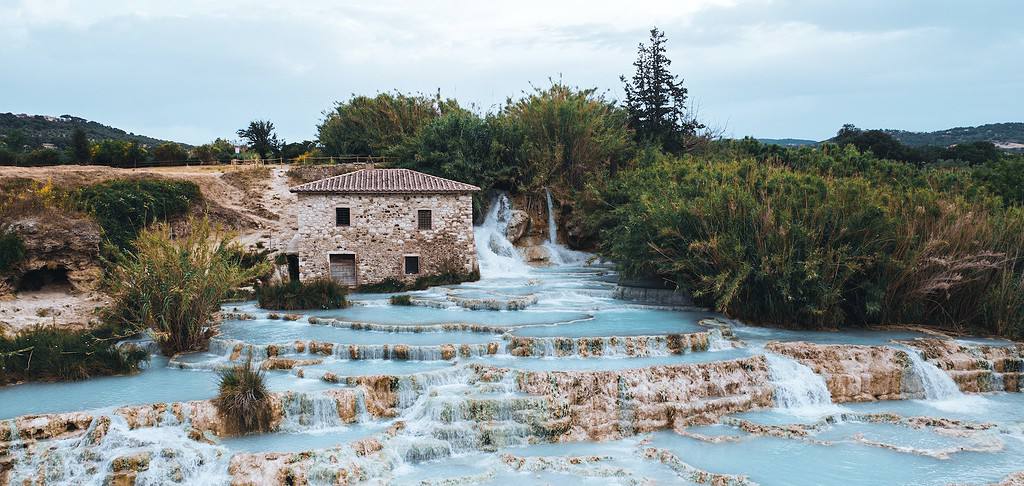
x=656, y=99
x=79, y=146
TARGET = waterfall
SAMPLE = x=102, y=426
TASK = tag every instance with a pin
x=797, y=388
x=938, y=388
x=306, y=411
x=935, y=383
x=171, y=457
x=552, y=225
x=559, y=254
x=496, y=254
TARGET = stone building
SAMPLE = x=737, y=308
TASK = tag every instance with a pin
x=371, y=225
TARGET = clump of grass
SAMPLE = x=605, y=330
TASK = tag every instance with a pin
x=51, y=354
x=319, y=293
x=174, y=286
x=243, y=400
x=403, y=299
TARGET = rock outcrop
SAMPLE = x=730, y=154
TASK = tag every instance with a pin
x=62, y=243
x=602, y=405
x=852, y=373
x=975, y=368
x=518, y=224
x=632, y=346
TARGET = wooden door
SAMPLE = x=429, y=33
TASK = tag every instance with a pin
x=343, y=269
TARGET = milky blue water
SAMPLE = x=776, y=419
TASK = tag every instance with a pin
x=570, y=301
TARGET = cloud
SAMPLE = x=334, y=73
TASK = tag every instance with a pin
x=196, y=70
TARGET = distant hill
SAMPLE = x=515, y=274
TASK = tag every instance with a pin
x=1008, y=136
x=56, y=130
x=787, y=142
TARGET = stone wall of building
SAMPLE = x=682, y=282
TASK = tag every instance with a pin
x=383, y=230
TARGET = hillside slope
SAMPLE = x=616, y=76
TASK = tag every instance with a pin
x=1003, y=134
x=40, y=129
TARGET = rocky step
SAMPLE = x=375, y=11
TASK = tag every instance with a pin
x=975, y=368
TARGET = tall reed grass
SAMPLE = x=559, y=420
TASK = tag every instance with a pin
x=173, y=286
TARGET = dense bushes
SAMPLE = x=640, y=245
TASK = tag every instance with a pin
x=123, y=207
x=371, y=126
x=293, y=295
x=47, y=353
x=764, y=241
x=173, y=286
x=243, y=400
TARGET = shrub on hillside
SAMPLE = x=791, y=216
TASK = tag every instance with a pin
x=49, y=354
x=174, y=286
x=320, y=293
x=123, y=207
x=243, y=400
x=12, y=249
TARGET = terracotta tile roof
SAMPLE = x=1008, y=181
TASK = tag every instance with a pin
x=394, y=181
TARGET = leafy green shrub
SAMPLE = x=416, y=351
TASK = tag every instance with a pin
x=12, y=249
x=243, y=400
x=48, y=354
x=322, y=293
x=174, y=286
x=403, y=299
x=123, y=207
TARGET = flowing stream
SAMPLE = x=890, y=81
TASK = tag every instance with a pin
x=532, y=375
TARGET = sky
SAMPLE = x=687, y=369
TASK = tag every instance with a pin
x=194, y=70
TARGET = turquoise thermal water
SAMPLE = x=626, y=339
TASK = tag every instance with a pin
x=436, y=399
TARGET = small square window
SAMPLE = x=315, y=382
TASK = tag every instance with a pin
x=342, y=217
x=412, y=265
x=424, y=219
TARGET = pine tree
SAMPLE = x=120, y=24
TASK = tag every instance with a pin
x=656, y=99
x=79, y=146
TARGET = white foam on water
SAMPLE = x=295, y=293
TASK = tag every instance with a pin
x=559, y=254
x=498, y=257
x=940, y=391
x=798, y=390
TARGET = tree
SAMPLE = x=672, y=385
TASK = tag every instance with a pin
x=261, y=137
x=370, y=126
x=16, y=140
x=458, y=145
x=881, y=143
x=570, y=136
x=41, y=157
x=219, y=150
x=79, y=146
x=295, y=149
x=170, y=152
x=656, y=99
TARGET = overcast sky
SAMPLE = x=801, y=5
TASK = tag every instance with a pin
x=193, y=70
